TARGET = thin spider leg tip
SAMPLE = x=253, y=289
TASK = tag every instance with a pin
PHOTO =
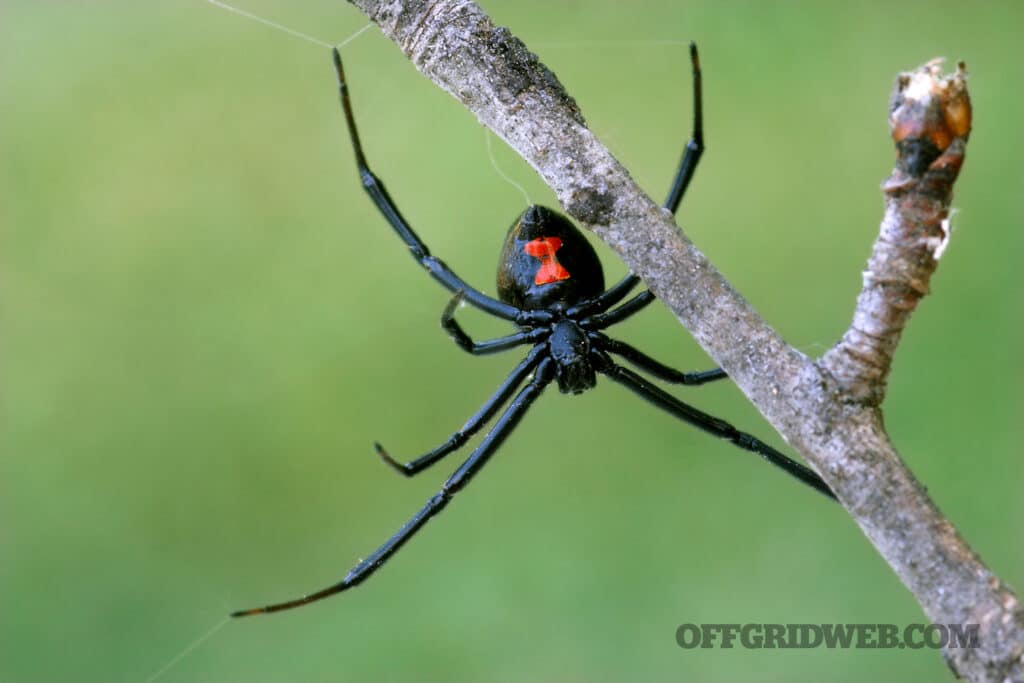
x=388, y=460
x=694, y=57
x=336, y=56
x=383, y=453
x=270, y=609
x=277, y=607
x=292, y=604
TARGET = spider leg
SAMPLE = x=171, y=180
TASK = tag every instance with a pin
x=709, y=423
x=606, y=299
x=695, y=147
x=656, y=368
x=473, y=425
x=459, y=336
x=684, y=174
x=379, y=194
x=617, y=315
x=456, y=482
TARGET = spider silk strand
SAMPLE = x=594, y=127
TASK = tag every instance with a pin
x=506, y=178
x=188, y=649
x=285, y=29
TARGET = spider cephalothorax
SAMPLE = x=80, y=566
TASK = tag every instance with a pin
x=551, y=288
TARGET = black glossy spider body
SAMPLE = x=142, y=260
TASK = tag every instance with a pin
x=551, y=286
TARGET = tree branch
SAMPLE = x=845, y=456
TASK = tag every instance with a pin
x=930, y=118
x=828, y=409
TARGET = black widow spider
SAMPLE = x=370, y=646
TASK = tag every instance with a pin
x=551, y=287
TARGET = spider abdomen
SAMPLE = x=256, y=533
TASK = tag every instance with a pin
x=570, y=349
x=547, y=262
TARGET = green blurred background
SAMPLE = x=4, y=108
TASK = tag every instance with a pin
x=206, y=325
